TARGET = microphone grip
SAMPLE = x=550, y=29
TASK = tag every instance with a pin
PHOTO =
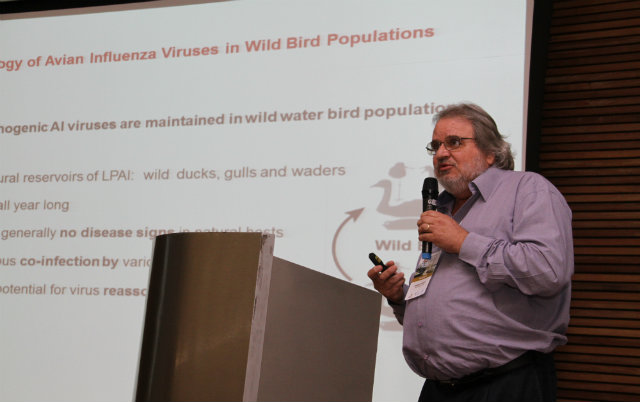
x=430, y=207
x=429, y=203
x=425, y=245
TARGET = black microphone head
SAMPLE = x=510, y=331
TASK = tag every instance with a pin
x=430, y=188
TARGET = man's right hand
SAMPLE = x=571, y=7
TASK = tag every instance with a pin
x=389, y=283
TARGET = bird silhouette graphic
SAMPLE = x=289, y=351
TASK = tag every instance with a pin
x=406, y=211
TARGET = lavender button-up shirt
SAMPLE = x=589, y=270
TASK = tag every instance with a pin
x=509, y=289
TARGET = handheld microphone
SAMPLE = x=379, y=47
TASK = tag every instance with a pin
x=429, y=203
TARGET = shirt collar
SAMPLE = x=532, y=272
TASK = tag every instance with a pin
x=486, y=183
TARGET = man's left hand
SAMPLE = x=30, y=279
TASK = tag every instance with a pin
x=441, y=230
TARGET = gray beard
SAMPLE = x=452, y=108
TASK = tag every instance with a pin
x=455, y=186
x=460, y=185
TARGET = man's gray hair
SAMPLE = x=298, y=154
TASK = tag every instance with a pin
x=485, y=129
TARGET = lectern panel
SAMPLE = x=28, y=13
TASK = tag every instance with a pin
x=199, y=314
x=227, y=321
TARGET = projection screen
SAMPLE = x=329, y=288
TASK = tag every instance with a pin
x=304, y=119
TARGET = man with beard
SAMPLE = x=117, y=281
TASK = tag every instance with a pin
x=497, y=304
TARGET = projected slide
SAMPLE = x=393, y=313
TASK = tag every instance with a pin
x=304, y=119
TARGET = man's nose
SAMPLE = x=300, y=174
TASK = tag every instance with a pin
x=442, y=151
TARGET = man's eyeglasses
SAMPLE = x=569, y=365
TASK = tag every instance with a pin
x=451, y=143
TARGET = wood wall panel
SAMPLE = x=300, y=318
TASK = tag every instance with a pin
x=590, y=149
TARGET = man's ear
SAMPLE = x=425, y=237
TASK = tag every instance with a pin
x=491, y=158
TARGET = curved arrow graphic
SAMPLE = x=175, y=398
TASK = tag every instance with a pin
x=355, y=214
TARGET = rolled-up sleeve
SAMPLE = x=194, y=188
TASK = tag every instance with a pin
x=534, y=254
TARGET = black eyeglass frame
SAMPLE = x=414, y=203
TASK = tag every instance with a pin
x=449, y=144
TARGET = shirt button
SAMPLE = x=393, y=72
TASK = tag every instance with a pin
x=419, y=325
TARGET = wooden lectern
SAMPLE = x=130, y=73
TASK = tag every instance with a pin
x=228, y=321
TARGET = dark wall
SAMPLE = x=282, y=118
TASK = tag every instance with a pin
x=588, y=145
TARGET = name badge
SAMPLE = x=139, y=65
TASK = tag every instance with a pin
x=424, y=272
